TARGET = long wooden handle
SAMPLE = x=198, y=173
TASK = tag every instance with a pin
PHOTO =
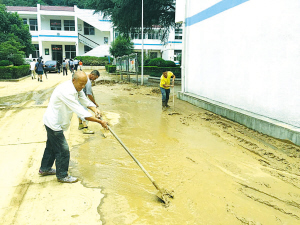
x=140, y=165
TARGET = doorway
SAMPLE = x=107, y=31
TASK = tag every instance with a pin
x=57, y=53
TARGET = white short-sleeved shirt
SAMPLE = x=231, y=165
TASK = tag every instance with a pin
x=32, y=65
x=63, y=102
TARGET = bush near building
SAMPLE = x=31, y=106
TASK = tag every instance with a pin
x=155, y=71
x=93, y=60
x=14, y=72
x=160, y=63
x=110, y=68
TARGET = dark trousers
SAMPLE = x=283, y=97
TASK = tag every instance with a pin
x=57, y=150
x=165, y=94
x=65, y=71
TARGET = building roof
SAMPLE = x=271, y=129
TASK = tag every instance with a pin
x=21, y=8
x=57, y=8
x=43, y=7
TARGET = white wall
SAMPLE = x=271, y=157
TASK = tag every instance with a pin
x=247, y=56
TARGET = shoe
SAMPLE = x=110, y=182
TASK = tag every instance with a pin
x=45, y=173
x=41, y=81
x=80, y=126
x=67, y=179
x=167, y=106
x=87, y=131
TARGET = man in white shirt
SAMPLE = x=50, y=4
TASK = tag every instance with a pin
x=63, y=102
x=32, y=67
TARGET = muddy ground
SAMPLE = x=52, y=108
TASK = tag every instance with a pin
x=221, y=172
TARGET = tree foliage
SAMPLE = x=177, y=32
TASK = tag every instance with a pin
x=126, y=15
x=15, y=37
x=10, y=50
x=121, y=46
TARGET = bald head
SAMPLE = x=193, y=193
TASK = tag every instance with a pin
x=79, y=80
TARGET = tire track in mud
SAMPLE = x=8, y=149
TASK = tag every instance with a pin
x=272, y=201
x=278, y=158
x=18, y=196
x=39, y=96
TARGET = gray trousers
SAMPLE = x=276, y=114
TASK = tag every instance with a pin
x=57, y=149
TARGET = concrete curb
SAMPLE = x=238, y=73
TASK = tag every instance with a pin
x=93, y=67
x=15, y=80
x=254, y=121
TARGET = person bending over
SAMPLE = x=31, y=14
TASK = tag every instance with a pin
x=57, y=118
x=165, y=81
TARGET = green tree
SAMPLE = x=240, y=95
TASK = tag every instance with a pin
x=121, y=46
x=10, y=50
x=13, y=29
x=126, y=14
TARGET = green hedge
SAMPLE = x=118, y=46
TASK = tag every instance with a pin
x=155, y=71
x=93, y=60
x=5, y=63
x=14, y=72
x=110, y=68
x=160, y=63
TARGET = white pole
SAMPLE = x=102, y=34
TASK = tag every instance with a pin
x=142, y=67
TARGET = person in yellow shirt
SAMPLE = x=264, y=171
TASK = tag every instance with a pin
x=165, y=85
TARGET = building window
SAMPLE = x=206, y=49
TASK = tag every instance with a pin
x=116, y=34
x=87, y=49
x=69, y=25
x=178, y=33
x=88, y=29
x=153, y=55
x=36, y=53
x=55, y=24
x=25, y=21
x=105, y=40
x=33, y=24
x=70, y=51
x=176, y=54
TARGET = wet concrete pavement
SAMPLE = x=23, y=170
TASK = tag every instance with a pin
x=221, y=172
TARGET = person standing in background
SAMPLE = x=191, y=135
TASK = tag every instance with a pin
x=39, y=69
x=76, y=64
x=58, y=66
x=64, y=66
x=165, y=81
x=80, y=65
x=32, y=68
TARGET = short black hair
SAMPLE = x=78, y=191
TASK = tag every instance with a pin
x=96, y=73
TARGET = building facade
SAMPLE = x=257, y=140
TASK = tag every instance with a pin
x=60, y=32
x=241, y=66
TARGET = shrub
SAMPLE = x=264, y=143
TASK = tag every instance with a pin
x=111, y=69
x=5, y=63
x=161, y=63
x=169, y=63
x=93, y=60
x=156, y=62
x=14, y=72
x=155, y=71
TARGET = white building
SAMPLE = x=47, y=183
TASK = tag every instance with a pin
x=241, y=60
x=60, y=32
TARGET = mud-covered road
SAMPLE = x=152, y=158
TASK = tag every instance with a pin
x=220, y=171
